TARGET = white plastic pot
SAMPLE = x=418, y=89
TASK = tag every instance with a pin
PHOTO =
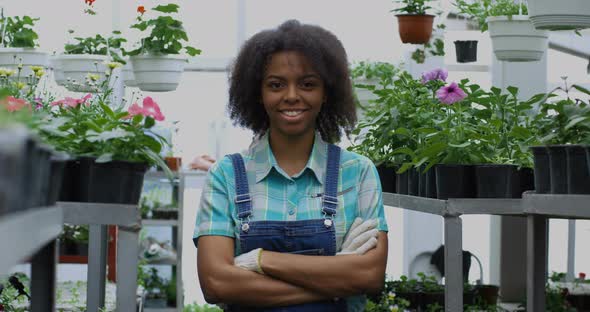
x=77, y=67
x=128, y=76
x=559, y=15
x=10, y=58
x=58, y=74
x=158, y=73
x=515, y=39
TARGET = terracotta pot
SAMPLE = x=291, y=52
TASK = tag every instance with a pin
x=415, y=29
x=174, y=163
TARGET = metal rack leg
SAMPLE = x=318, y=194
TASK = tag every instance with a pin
x=571, y=250
x=536, y=262
x=43, y=279
x=127, y=251
x=97, y=267
x=453, y=264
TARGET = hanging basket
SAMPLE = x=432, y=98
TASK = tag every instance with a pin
x=158, y=73
x=58, y=74
x=11, y=58
x=128, y=76
x=559, y=15
x=76, y=69
x=466, y=51
x=514, y=39
x=415, y=29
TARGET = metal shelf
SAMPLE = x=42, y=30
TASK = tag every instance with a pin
x=34, y=228
x=557, y=205
x=160, y=309
x=162, y=262
x=159, y=222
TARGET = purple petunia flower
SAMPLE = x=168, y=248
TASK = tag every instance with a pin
x=435, y=74
x=450, y=94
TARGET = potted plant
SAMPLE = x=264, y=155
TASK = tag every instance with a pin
x=466, y=51
x=514, y=38
x=73, y=240
x=435, y=47
x=18, y=46
x=155, y=288
x=559, y=15
x=368, y=76
x=415, y=26
x=85, y=62
x=157, y=63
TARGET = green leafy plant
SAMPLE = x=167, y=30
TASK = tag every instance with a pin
x=154, y=285
x=415, y=7
x=429, y=283
x=18, y=32
x=166, y=34
x=481, y=10
x=434, y=47
x=97, y=45
x=194, y=307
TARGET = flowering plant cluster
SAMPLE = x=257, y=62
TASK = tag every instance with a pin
x=166, y=34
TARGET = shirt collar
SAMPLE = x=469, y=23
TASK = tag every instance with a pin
x=264, y=159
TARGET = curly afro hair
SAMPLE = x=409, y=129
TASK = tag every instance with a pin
x=327, y=56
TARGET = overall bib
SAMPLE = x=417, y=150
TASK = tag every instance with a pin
x=306, y=237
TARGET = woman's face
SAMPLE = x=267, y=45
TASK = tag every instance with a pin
x=292, y=94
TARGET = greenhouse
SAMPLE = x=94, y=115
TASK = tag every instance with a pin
x=255, y=155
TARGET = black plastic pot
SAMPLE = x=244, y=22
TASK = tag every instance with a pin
x=487, y=293
x=495, y=181
x=580, y=302
x=413, y=182
x=455, y=181
x=75, y=180
x=422, y=181
x=466, y=51
x=15, y=169
x=401, y=183
x=558, y=168
x=431, y=183
x=387, y=178
x=526, y=182
x=542, y=169
x=71, y=248
x=432, y=299
x=578, y=175
x=56, y=173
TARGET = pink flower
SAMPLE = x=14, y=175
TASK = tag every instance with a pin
x=450, y=94
x=135, y=109
x=71, y=102
x=13, y=104
x=435, y=74
x=151, y=108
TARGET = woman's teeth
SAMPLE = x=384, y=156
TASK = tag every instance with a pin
x=292, y=113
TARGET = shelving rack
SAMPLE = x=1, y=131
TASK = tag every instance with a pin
x=537, y=208
x=36, y=230
x=176, y=225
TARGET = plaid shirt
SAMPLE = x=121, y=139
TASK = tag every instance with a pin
x=278, y=197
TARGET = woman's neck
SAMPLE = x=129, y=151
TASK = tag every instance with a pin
x=291, y=153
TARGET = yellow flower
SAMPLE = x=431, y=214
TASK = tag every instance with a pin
x=40, y=73
x=113, y=65
x=20, y=66
x=93, y=77
x=20, y=85
x=35, y=69
x=6, y=72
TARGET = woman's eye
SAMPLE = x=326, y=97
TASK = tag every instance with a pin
x=274, y=85
x=308, y=84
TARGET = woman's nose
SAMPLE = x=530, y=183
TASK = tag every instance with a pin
x=292, y=95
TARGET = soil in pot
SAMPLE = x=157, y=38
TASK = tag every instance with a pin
x=487, y=293
x=494, y=181
x=578, y=175
x=558, y=168
x=415, y=29
x=466, y=51
x=413, y=182
x=387, y=178
x=401, y=183
x=455, y=181
x=542, y=176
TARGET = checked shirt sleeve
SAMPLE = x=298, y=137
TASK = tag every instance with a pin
x=370, y=199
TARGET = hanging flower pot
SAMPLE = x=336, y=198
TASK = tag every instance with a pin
x=514, y=39
x=559, y=15
x=466, y=51
x=415, y=29
x=11, y=58
x=158, y=73
x=128, y=76
x=83, y=72
x=58, y=74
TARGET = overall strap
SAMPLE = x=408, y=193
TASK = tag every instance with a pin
x=330, y=199
x=242, y=200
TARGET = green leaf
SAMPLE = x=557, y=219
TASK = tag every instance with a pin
x=169, y=8
x=575, y=121
x=460, y=145
x=104, y=158
x=108, y=110
x=137, y=119
x=149, y=122
x=581, y=89
x=192, y=51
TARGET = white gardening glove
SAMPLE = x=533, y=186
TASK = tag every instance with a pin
x=361, y=237
x=250, y=261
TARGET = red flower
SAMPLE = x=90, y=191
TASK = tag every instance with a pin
x=582, y=275
x=89, y=2
x=140, y=9
x=13, y=104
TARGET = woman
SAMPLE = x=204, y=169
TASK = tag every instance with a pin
x=292, y=201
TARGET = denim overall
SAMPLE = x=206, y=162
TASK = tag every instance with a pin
x=306, y=237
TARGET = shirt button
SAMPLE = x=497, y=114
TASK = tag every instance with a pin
x=291, y=212
x=291, y=182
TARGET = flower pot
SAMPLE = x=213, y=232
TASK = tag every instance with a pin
x=578, y=173
x=415, y=298
x=55, y=180
x=158, y=73
x=515, y=39
x=155, y=303
x=77, y=67
x=487, y=293
x=579, y=301
x=542, y=168
x=455, y=181
x=128, y=76
x=415, y=29
x=10, y=58
x=526, y=182
x=558, y=168
x=559, y=15
x=401, y=183
x=174, y=163
x=433, y=299
x=422, y=181
x=466, y=51
x=58, y=74
x=413, y=180
x=495, y=181
x=387, y=178
x=431, y=183
x=16, y=162
x=73, y=248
